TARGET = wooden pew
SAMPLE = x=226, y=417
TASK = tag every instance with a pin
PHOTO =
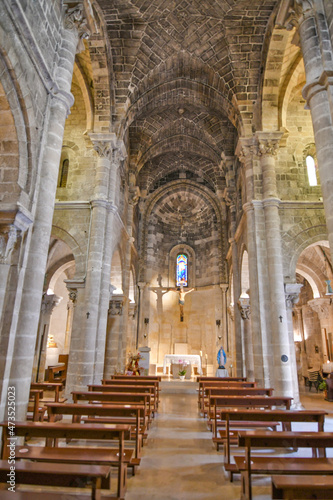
x=134, y=388
x=227, y=379
x=123, y=379
x=57, y=373
x=240, y=417
x=250, y=464
x=218, y=383
x=302, y=487
x=221, y=402
x=232, y=391
x=36, y=410
x=141, y=398
x=79, y=455
x=129, y=414
x=55, y=387
x=65, y=475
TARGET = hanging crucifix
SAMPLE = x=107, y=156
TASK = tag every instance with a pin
x=181, y=300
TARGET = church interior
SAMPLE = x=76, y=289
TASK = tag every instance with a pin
x=166, y=194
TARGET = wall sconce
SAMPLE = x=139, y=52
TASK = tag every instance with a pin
x=146, y=321
x=218, y=323
x=145, y=335
x=219, y=337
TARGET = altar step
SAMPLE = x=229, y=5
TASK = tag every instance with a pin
x=179, y=386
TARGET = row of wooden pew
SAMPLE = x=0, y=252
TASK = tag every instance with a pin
x=232, y=406
x=116, y=413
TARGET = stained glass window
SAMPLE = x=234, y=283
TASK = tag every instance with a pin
x=181, y=270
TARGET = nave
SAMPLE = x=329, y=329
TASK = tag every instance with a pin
x=180, y=462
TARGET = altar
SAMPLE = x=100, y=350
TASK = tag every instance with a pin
x=186, y=359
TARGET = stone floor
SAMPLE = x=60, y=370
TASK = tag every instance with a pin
x=179, y=460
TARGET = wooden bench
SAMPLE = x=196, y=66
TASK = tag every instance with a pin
x=149, y=380
x=36, y=410
x=243, y=391
x=302, y=487
x=57, y=373
x=242, y=418
x=55, y=387
x=128, y=414
x=65, y=475
x=211, y=384
x=133, y=388
x=227, y=379
x=80, y=455
x=249, y=465
x=142, y=398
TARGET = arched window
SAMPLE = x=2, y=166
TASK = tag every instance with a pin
x=311, y=169
x=181, y=270
x=63, y=173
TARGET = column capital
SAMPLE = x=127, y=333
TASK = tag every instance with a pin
x=79, y=17
x=292, y=291
x=103, y=144
x=8, y=239
x=49, y=302
x=246, y=148
x=224, y=287
x=321, y=306
x=291, y=12
x=244, y=307
x=268, y=142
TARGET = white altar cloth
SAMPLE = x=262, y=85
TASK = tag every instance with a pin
x=193, y=359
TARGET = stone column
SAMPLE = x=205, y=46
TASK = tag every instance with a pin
x=323, y=307
x=257, y=267
x=20, y=359
x=87, y=352
x=292, y=291
x=244, y=307
x=236, y=292
x=283, y=372
x=49, y=302
x=318, y=92
x=69, y=320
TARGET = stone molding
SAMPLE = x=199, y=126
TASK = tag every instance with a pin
x=271, y=202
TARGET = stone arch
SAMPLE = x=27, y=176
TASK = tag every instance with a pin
x=87, y=96
x=299, y=241
x=20, y=108
x=209, y=199
x=182, y=92
x=59, y=270
x=72, y=243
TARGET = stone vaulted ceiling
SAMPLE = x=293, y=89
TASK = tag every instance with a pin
x=187, y=77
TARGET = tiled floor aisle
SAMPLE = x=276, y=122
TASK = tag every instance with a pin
x=180, y=462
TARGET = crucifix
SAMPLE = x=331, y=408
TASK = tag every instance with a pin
x=181, y=300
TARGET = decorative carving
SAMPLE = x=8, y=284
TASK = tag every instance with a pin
x=268, y=147
x=116, y=307
x=134, y=195
x=7, y=243
x=322, y=306
x=103, y=148
x=244, y=307
x=72, y=295
x=292, y=291
x=75, y=19
x=49, y=302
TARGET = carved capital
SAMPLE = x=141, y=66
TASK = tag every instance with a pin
x=116, y=306
x=322, y=306
x=8, y=239
x=49, y=302
x=75, y=19
x=244, y=307
x=292, y=291
x=231, y=311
